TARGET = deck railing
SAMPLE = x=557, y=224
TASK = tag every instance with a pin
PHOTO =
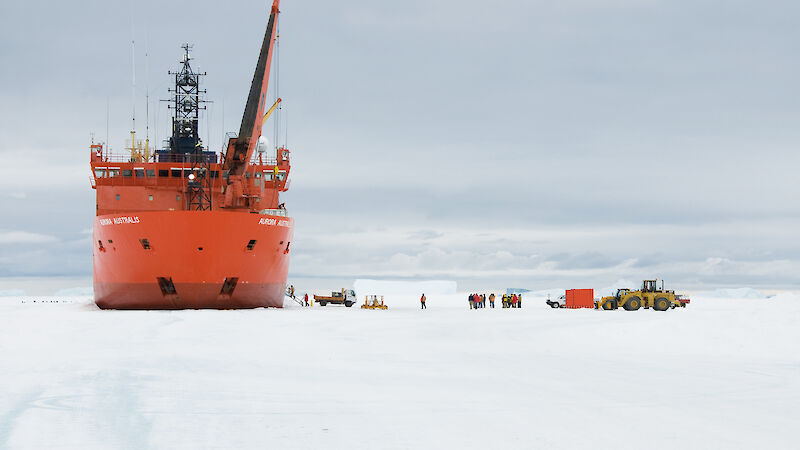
x=125, y=157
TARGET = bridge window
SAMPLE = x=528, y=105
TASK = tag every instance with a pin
x=176, y=173
x=113, y=172
x=98, y=173
x=138, y=171
x=163, y=173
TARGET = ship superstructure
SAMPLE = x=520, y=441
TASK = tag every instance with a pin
x=184, y=227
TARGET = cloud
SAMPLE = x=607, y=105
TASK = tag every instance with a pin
x=538, y=257
x=25, y=237
x=745, y=292
x=12, y=292
x=535, y=143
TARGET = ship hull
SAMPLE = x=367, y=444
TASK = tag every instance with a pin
x=191, y=260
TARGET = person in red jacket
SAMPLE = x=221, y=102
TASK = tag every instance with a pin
x=422, y=301
x=514, y=301
x=306, y=298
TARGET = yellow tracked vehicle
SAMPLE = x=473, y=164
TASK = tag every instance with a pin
x=649, y=296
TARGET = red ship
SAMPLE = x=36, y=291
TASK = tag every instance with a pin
x=184, y=227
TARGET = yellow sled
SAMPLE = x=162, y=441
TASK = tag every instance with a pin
x=372, y=302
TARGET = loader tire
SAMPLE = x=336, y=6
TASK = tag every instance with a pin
x=661, y=304
x=610, y=305
x=348, y=304
x=633, y=304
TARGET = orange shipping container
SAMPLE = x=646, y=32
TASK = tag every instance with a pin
x=579, y=298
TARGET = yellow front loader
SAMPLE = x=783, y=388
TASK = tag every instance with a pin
x=649, y=296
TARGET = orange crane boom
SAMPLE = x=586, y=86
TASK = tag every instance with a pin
x=240, y=150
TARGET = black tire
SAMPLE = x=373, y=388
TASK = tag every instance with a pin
x=661, y=304
x=610, y=305
x=323, y=303
x=348, y=304
x=633, y=304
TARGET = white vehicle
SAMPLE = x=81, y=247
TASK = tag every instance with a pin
x=560, y=302
x=346, y=297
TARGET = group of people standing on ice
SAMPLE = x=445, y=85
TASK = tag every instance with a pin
x=512, y=301
x=477, y=301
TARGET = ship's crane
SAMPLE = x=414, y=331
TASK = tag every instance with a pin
x=270, y=111
x=240, y=150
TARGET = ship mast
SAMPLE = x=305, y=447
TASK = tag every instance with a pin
x=133, y=100
x=185, y=144
x=146, y=155
x=186, y=98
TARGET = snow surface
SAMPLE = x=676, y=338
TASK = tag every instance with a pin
x=722, y=373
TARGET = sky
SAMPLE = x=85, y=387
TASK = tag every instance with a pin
x=529, y=144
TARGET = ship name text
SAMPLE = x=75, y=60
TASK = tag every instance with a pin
x=270, y=221
x=119, y=220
